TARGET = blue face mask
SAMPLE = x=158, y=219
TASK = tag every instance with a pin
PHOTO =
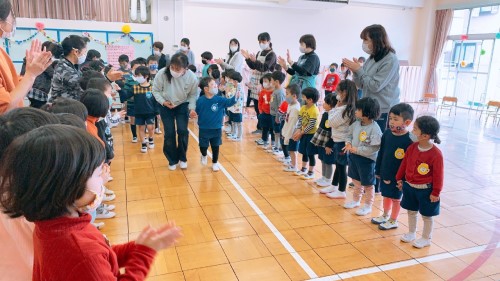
x=153, y=67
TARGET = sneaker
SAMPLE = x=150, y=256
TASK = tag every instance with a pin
x=108, y=191
x=183, y=165
x=290, y=169
x=257, y=132
x=308, y=176
x=260, y=142
x=324, y=183
x=108, y=207
x=134, y=139
x=110, y=178
x=318, y=180
x=380, y=219
x=408, y=237
x=285, y=159
x=215, y=167
x=229, y=136
x=301, y=172
x=172, y=167
x=337, y=195
x=98, y=225
x=390, y=224
x=275, y=150
x=236, y=139
x=328, y=189
x=151, y=143
x=102, y=213
x=365, y=210
x=109, y=197
x=144, y=147
x=421, y=243
x=158, y=131
x=351, y=184
x=351, y=204
x=203, y=160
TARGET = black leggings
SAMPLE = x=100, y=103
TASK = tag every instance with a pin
x=215, y=153
x=340, y=177
x=284, y=147
x=249, y=99
x=309, y=158
x=256, y=107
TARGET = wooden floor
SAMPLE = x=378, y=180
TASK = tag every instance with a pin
x=225, y=239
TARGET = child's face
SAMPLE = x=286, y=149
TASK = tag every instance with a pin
x=420, y=136
x=326, y=106
x=108, y=92
x=93, y=185
x=397, y=122
x=308, y=101
x=211, y=85
x=343, y=68
x=290, y=96
x=267, y=84
x=275, y=83
x=359, y=113
x=229, y=81
x=124, y=64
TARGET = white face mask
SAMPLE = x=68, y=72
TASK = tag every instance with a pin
x=141, y=79
x=90, y=208
x=9, y=34
x=339, y=98
x=265, y=85
x=366, y=49
x=264, y=46
x=214, y=91
x=157, y=53
x=175, y=74
x=233, y=48
x=184, y=48
x=302, y=49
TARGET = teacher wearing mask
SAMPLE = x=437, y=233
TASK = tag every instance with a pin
x=175, y=88
x=378, y=77
x=235, y=59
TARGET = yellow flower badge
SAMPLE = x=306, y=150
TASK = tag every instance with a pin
x=327, y=124
x=399, y=153
x=362, y=136
x=423, y=169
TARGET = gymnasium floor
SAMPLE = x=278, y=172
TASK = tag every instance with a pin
x=252, y=221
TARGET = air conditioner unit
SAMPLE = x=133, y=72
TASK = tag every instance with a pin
x=331, y=1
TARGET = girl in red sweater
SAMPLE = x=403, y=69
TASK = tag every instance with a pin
x=422, y=170
x=56, y=190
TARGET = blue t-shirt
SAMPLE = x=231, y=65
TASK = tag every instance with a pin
x=211, y=111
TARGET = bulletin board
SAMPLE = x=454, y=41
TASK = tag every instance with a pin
x=139, y=43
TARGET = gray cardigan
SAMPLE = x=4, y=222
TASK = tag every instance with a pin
x=178, y=90
x=379, y=80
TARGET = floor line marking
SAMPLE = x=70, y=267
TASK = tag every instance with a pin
x=302, y=263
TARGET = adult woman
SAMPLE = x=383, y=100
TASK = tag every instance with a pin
x=305, y=70
x=66, y=73
x=379, y=75
x=186, y=49
x=262, y=63
x=175, y=89
x=235, y=59
x=13, y=91
x=163, y=60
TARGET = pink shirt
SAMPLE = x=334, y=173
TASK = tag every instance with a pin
x=16, y=244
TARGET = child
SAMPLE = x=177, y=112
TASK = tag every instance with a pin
x=60, y=206
x=128, y=84
x=392, y=151
x=97, y=105
x=153, y=69
x=339, y=119
x=235, y=112
x=292, y=117
x=206, y=59
x=323, y=140
x=123, y=60
x=306, y=127
x=285, y=159
x=210, y=110
x=331, y=80
x=345, y=73
x=422, y=170
x=265, y=118
x=362, y=143
x=278, y=96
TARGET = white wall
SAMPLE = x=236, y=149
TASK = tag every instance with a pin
x=462, y=4
x=336, y=30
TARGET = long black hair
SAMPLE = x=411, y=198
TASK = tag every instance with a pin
x=231, y=54
x=350, y=99
x=6, y=10
x=178, y=59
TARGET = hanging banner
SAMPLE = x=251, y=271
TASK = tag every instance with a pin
x=115, y=51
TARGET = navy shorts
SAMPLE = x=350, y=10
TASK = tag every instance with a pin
x=144, y=119
x=130, y=110
x=293, y=145
x=276, y=126
x=305, y=145
x=328, y=159
x=390, y=190
x=415, y=199
x=361, y=169
x=235, y=117
x=265, y=120
x=340, y=156
x=212, y=137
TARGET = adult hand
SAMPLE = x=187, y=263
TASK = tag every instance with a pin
x=219, y=61
x=192, y=114
x=37, y=60
x=288, y=57
x=161, y=238
x=244, y=53
x=282, y=62
x=252, y=57
x=434, y=198
x=347, y=147
x=399, y=185
x=353, y=149
x=352, y=65
x=328, y=150
x=168, y=104
x=114, y=75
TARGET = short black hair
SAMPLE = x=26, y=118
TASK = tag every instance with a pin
x=152, y=58
x=294, y=89
x=101, y=84
x=215, y=73
x=186, y=41
x=309, y=40
x=404, y=110
x=207, y=55
x=65, y=105
x=192, y=68
x=361, y=59
x=91, y=54
x=204, y=82
x=234, y=75
x=335, y=64
x=55, y=49
x=213, y=67
x=70, y=151
x=264, y=36
x=278, y=76
x=430, y=126
x=87, y=75
x=158, y=45
x=72, y=42
x=6, y=10
x=369, y=107
x=20, y=121
x=311, y=93
x=143, y=71
x=266, y=76
x=141, y=60
x=96, y=102
x=278, y=67
x=71, y=119
x=331, y=100
x=93, y=65
x=123, y=58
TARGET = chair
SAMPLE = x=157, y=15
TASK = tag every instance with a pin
x=428, y=98
x=448, y=103
x=492, y=110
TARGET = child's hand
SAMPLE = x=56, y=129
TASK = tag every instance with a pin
x=328, y=150
x=399, y=185
x=353, y=149
x=434, y=198
x=192, y=114
x=161, y=238
x=347, y=147
x=387, y=182
x=377, y=176
x=297, y=135
x=122, y=113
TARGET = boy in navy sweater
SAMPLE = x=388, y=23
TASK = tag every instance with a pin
x=210, y=109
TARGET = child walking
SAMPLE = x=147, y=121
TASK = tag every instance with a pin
x=60, y=207
x=278, y=96
x=210, y=109
x=292, y=117
x=363, y=143
x=265, y=118
x=306, y=127
x=392, y=151
x=339, y=119
x=233, y=87
x=420, y=177
x=323, y=140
